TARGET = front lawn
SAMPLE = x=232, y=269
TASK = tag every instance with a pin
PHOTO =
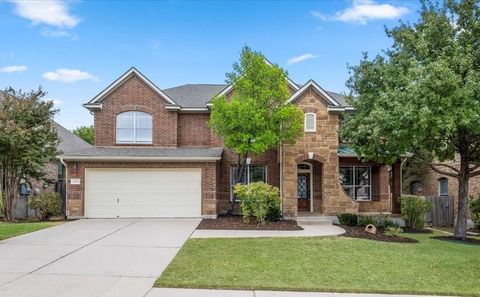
x=336, y=264
x=8, y=230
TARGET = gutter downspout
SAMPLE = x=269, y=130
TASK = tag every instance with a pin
x=66, y=184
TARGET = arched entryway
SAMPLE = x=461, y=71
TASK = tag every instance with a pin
x=309, y=185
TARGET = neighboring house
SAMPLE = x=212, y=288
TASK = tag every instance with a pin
x=155, y=156
x=423, y=181
x=55, y=172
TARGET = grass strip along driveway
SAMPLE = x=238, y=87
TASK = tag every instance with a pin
x=8, y=230
x=334, y=264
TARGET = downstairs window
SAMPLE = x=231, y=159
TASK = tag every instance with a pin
x=253, y=173
x=356, y=181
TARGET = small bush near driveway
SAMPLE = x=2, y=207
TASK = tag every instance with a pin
x=46, y=205
x=259, y=200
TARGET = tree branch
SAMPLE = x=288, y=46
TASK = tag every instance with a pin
x=447, y=173
x=474, y=173
x=451, y=167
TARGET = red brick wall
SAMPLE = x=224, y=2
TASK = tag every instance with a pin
x=76, y=193
x=193, y=129
x=229, y=159
x=134, y=94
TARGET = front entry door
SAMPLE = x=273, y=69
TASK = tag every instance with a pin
x=303, y=191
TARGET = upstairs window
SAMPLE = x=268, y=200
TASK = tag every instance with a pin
x=134, y=127
x=310, y=122
x=443, y=187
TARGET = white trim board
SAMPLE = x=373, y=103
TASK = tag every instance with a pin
x=312, y=83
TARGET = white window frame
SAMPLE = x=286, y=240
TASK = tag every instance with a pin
x=248, y=176
x=354, y=185
x=134, y=139
x=314, y=122
x=440, y=180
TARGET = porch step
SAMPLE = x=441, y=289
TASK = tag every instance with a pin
x=311, y=220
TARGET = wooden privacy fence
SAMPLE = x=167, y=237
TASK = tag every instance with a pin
x=442, y=213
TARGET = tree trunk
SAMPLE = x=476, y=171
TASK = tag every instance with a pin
x=238, y=177
x=463, y=179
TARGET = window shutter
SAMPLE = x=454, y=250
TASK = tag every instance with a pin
x=375, y=183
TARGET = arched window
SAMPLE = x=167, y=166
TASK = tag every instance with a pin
x=134, y=127
x=310, y=122
x=443, y=186
x=416, y=187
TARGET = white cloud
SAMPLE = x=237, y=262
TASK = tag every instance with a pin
x=49, y=12
x=13, y=68
x=363, y=11
x=301, y=58
x=69, y=75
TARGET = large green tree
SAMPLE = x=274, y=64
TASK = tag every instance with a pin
x=28, y=141
x=423, y=94
x=256, y=117
x=85, y=133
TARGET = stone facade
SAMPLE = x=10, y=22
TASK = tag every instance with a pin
x=324, y=145
x=177, y=129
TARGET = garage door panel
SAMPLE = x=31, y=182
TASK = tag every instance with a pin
x=143, y=193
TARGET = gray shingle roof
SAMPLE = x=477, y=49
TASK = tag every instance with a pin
x=339, y=98
x=112, y=153
x=70, y=142
x=194, y=95
x=197, y=95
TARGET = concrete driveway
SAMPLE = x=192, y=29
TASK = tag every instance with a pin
x=111, y=257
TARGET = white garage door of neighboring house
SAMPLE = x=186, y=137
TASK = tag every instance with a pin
x=142, y=193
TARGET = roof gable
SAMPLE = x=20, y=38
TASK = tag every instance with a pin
x=96, y=101
x=311, y=83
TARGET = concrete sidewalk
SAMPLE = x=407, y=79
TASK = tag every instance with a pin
x=170, y=292
x=308, y=231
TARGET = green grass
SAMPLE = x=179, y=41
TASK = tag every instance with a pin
x=8, y=230
x=335, y=264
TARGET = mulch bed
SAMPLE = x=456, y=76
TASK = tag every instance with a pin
x=235, y=222
x=468, y=240
x=417, y=231
x=359, y=232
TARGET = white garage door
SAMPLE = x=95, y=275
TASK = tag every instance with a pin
x=142, y=193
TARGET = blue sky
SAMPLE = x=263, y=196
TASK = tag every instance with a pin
x=75, y=49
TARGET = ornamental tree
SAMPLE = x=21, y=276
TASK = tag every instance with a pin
x=256, y=117
x=28, y=141
x=423, y=95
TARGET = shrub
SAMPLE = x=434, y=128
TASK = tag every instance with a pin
x=386, y=222
x=414, y=209
x=259, y=200
x=366, y=220
x=46, y=204
x=393, y=231
x=348, y=219
x=475, y=210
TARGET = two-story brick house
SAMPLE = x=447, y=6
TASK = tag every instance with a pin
x=155, y=156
